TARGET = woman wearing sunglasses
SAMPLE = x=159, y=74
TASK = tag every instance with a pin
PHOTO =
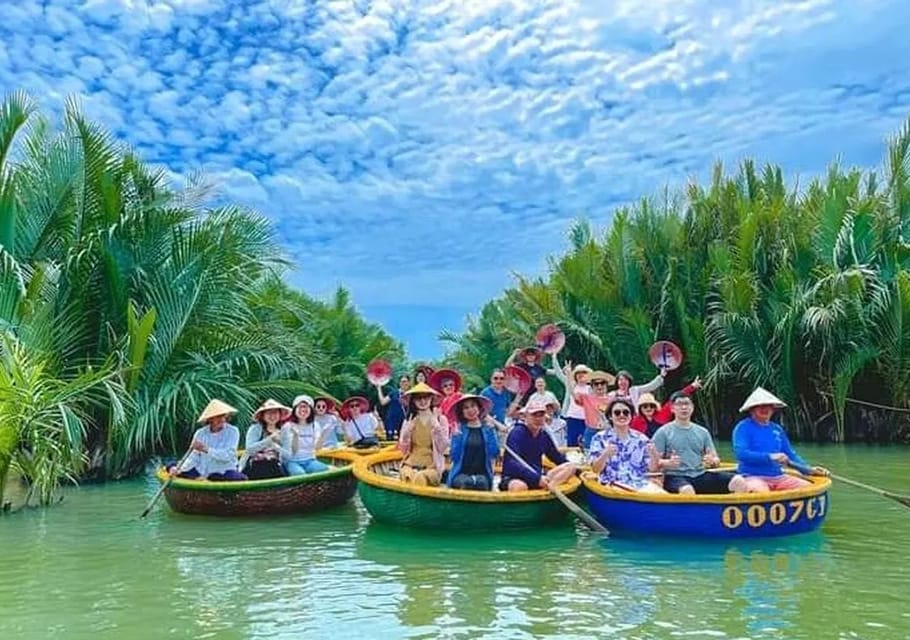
x=621, y=456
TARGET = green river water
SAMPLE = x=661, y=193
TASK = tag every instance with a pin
x=89, y=568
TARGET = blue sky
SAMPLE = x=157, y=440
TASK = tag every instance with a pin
x=420, y=152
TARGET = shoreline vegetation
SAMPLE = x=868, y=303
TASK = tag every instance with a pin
x=126, y=303
x=802, y=289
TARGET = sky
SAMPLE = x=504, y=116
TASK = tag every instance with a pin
x=422, y=152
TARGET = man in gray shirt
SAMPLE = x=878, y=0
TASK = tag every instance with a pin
x=686, y=451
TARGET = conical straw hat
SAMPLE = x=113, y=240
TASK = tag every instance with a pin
x=762, y=396
x=285, y=412
x=421, y=388
x=216, y=408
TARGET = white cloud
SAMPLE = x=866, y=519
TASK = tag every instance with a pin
x=419, y=151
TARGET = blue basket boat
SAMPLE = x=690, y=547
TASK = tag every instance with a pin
x=724, y=516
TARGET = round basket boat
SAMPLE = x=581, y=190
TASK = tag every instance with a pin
x=291, y=494
x=392, y=501
x=731, y=516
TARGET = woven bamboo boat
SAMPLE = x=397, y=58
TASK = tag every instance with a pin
x=724, y=516
x=275, y=496
x=392, y=501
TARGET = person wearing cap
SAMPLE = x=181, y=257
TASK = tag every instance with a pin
x=328, y=425
x=530, y=442
x=762, y=448
x=625, y=389
x=214, y=447
x=650, y=416
x=686, y=451
x=474, y=445
x=555, y=425
x=575, y=380
x=595, y=406
x=359, y=426
x=262, y=455
x=299, y=439
x=424, y=438
x=621, y=456
x=503, y=402
x=448, y=383
x=394, y=404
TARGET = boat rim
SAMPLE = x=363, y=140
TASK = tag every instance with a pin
x=820, y=485
x=268, y=483
x=364, y=473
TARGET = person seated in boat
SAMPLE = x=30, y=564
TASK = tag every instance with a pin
x=555, y=424
x=503, y=401
x=595, y=404
x=394, y=407
x=529, y=360
x=530, y=442
x=762, y=448
x=448, y=383
x=262, y=455
x=542, y=394
x=424, y=438
x=474, y=446
x=299, y=439
x=651, y=416
x=625, y=389
x=328, y=425
x=621, y=456
x=686, y=451
x=360, y=425
x=214, y=455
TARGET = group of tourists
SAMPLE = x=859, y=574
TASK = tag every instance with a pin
x=452, y=438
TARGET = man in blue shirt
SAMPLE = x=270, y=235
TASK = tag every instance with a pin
x=501, y=397
x=530, y=442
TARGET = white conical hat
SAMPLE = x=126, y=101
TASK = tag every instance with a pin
x=762, y=396
x=216, y=408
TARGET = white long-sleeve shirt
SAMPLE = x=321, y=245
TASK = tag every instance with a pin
x=306, y=449
x=222, y=451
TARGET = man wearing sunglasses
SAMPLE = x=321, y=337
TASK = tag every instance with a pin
x=503, y=400
x=687, y=453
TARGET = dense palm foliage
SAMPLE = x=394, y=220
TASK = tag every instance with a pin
x=125, y=304
x=803, y=290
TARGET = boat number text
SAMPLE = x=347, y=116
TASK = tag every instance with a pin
x=756, y=515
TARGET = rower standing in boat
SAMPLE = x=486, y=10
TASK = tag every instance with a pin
x=298, y=440
x=531, y=442
x=686, y=453
x=214, y=447
x=424, y=438
x=394, y=404
x=622, y=456
x=762, y=448
x=262, y=455
x=474, y=446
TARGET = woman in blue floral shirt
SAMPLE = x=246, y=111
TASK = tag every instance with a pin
x=622, y=456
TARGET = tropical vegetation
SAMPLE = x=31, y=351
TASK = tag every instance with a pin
x=804, y=289
x=127, y=302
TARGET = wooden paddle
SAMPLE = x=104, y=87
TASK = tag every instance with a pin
x=580, y=513
x=164, y=486
x=903, y=500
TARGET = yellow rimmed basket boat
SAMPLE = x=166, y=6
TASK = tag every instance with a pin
x=724, y=516
x=275, y=496
x=391, y=501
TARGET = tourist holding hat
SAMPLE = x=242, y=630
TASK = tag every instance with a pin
x=529, y=359
x=262, y=455
x=214, y=447
x=475, y=444
x=394, y=404
x=299, y=439
x=424, y=438
x=448, y=383
x=576, y=381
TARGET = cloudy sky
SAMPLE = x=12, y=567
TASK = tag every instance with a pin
x=419, y=152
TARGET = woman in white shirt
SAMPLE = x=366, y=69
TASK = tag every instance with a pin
x=298, y=440
x=262, y=454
